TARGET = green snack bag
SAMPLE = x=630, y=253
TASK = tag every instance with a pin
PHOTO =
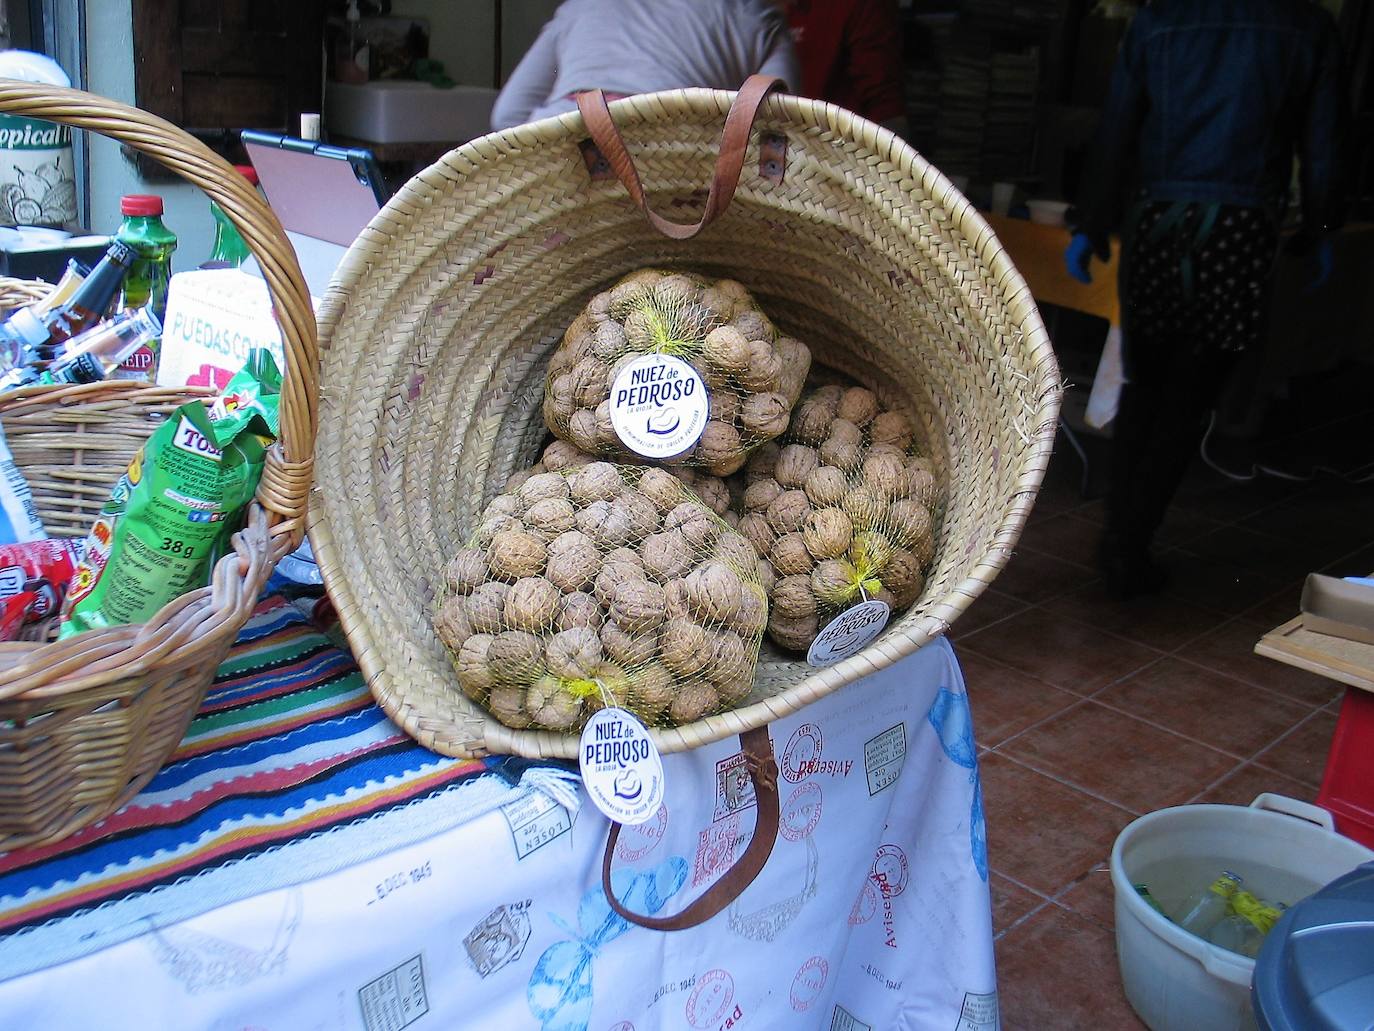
x=183, y=492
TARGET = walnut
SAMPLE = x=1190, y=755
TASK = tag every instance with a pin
x=606, y=523
x=675, y=600
x=713, y=592
x=473, y=666
x=560, y=456
x=811, y=422
x=486, y=607
x=712, y=490
x=729, y=665
x=866, y=508
x=857, y=405
x=736, y=552
x=515, y=657
x=765, y=416
x=666, y=555
x=582, y=429
x=921, y=482
x=826, y=486
x=505, y=505
x=572, y=567
x=790, y=555
x=754, y=325
x=638, y=605
x=827, y=533
x=465, y=571
x=909, y=520
x=833, y=582
x=451, y=623
x=796, y=363
x=641, y=327
x=640, y=512
x=767, y=577
x=752, y=616
x=756, y=529
x=531, y=604
x=558, y=400
x=578, y=609
x=515, y=553
x=731, y=519
x=682, y=646
x=599, y=481
x=544, y=486
x=695, y=522
x=719, y=444
x=507, y=704
x=550, y=704
x=517, y=479
x=795, y=464
x=590, y=382
x=735, y=291
x=651, y=691
x=718, y=302
x=727, y=349
x=611, y=576
x=662, y=488
x=724, y=406
x=624, y=646
x=793, y=598
x=902, y=576
x=793, y=634
x=891, y=428
x=760, y=494
x=606, y=436
x=870, y=551
x=694, y=700
x=789, y=511
x=886, y=474
x=829, y=395
x=609, y=342
x=923, y=548
x=572, y=654
x=600, y=304
x=763, y=459
x=763, y=371
x=837, y=451
x=491, y=525
x=548, y=518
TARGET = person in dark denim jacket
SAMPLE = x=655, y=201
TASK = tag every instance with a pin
x=1210, y=102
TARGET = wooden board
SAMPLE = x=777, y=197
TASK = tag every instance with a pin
x=1348, y=662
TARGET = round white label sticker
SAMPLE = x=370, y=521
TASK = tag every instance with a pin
x=621, y=767
x=659, y=406
x=849, y=633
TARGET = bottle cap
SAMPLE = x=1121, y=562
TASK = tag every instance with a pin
x=248, y=172
x=28, y=326
x=140, y=204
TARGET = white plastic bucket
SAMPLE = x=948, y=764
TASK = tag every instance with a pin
x=1285, y=850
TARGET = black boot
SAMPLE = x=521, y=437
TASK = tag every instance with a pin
x=1128, y=569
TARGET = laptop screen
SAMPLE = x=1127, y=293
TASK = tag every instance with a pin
x=316, y=190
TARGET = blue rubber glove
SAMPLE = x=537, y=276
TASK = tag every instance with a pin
x=1077, y=255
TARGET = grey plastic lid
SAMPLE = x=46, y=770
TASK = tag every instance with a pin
x=1316, y=969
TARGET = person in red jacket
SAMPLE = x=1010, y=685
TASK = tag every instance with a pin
x=851, y=55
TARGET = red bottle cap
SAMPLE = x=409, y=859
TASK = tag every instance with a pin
x=248, y=172
x=137, y=204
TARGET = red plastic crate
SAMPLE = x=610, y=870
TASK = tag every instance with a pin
x=1348, y=784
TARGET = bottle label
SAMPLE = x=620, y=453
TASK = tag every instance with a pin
x=621, y=767
x=849, y=633
x=659, y=406
x=1225, y=885
x=83, y=368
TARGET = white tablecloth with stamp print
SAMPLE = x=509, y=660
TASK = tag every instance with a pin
x=872, y=912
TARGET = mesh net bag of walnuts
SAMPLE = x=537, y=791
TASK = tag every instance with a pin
x=842, y=510
x=602, y=585
x=752, y=374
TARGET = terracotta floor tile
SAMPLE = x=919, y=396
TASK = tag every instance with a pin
x=1198, y=703
x=1065, y=537
x=989, y=607
x=1357, y=563
x=1092, y=896
x=1180, y=525
x=1033, y=577
x=1067, y=654
x=1058, y=970
x=1043, y=833
x=1005, y=702
x=1341, y=522
x=1116, y=757
x=1160, y=622
x=1230, y=649
x=1277, y=609
x=1279, y=557
x=1223, y=586
x=1010, y=902
x=1250, y=781
x=1209, y=494
x=1302, y=754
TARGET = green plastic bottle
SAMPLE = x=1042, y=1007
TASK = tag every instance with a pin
x=145, y=285
x=229, y=250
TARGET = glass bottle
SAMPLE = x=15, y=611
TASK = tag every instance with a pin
x=229, y=250
x=99, y=351
x=92, y=299
x=1204, y=908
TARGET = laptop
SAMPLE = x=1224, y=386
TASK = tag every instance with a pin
x=323, y=195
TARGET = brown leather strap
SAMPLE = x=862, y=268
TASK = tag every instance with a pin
x=734, y=140
x=763, y=771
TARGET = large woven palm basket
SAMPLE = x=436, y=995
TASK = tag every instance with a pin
x=437, y=329
x=86, y=722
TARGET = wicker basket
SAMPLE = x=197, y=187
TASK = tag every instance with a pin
x=437, y=329
x=86, y=722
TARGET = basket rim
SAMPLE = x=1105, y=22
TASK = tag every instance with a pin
x=899, y=641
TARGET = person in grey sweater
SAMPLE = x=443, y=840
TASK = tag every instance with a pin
x=639, y=46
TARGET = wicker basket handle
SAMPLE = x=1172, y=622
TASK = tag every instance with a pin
x=286, y=476
x=763, y=772
x=734, y=140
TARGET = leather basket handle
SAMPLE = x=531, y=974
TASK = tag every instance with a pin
x=763, y=772
x=734, y=140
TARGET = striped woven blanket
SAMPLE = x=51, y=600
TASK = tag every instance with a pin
x=289, y=772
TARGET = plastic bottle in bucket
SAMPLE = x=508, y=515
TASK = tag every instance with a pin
x=1206, y=907
x=37, y=177
x=1243, y=931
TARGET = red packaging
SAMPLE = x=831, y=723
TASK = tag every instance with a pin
x=42, y=569
x=14, y=613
